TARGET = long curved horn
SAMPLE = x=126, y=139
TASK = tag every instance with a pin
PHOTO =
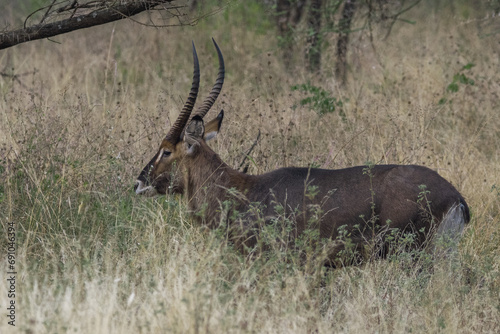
x=175, y=131
x=210, y=99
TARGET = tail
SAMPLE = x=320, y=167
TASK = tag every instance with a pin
x=454, y=220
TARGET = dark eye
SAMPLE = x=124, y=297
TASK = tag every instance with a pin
x=166, y=154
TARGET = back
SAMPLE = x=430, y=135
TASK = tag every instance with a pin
x=404, y=197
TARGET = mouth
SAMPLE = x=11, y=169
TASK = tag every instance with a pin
x=140, y=188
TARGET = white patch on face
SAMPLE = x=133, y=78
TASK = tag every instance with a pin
x=159, y=156
x=141, y=189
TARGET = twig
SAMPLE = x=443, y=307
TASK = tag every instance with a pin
x=248, y=154
x=15, y=77
x=48, y=11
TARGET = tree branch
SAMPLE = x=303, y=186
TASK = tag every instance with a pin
x=105, y=13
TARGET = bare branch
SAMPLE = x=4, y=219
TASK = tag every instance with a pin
x=79, y=16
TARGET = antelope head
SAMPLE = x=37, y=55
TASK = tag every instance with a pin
x=162, y=174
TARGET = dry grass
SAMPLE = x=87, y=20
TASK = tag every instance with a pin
x=90, y=111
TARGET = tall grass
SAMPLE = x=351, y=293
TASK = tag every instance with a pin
x=89, y=112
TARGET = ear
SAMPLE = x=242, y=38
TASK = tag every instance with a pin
x=212, y=128
x=194, y=132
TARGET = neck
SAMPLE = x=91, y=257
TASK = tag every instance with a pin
x=207, y=181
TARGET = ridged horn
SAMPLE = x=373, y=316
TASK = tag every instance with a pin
x=210, y=99
x=173, y=135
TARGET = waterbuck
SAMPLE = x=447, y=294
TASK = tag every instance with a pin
x=366, y=201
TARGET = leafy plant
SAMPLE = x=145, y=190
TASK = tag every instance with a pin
x=320, y=100
x=458, y=79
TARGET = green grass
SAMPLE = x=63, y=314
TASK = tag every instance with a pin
x=93, y=257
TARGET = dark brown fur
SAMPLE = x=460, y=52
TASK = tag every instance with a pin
x=365, y=199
